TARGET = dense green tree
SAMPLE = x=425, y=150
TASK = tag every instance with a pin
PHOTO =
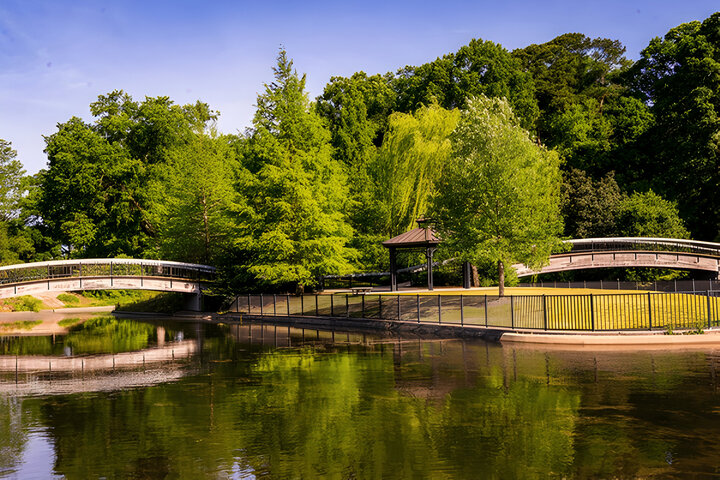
x=589, y=207
x=649, y=215
x=196, y=199
x=498, y=197
x=12, y=185
x=679, y=76
x=95, y=197
x=295, y=223
x=479, y=68
x=586, y=112
x=415, y=148
x=357, y=110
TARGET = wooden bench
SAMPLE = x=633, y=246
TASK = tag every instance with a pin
x=360, y=290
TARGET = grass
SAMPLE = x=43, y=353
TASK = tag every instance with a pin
x=69, y=299
x=102, y=298
x=23, y=303
x=536, y=308
x=20, y=325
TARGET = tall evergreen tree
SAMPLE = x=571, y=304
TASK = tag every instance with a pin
x=295, y=221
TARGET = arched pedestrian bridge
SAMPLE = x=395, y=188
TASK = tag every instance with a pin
x=627, y=252
x=103, y=274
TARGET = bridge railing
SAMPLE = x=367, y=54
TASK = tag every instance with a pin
x=103, y=267
x=592, y=312
x=643, y=243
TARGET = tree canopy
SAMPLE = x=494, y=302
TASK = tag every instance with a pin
x=498, y=197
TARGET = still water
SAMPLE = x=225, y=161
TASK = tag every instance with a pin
x=202, y=401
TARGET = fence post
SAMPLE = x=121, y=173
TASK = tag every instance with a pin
x=275, y=304
x=317, y=312
x=398, y=305
x=462, y=315
x=249, y=306
x=439, y=309
x=261, y=305
x=486, y=322
x=379, y=306
x=649, y=310
x=592, y=313
x=512, y=313
x=332, y=306
x=347, y=306
x=362, y=313
x=418, y=307
x=302, y=304
x=237, y=303
x=709, y=310
x=287, y=304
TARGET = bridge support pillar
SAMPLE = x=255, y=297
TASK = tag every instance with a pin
x=193, y=302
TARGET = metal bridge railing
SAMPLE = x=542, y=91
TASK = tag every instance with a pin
x=643, y=243
x=593, y=312
x=104, y=267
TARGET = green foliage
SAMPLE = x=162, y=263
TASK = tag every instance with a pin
x=599, y=209
x=678, y=76
x=95, y=196
x=498, y=197
x=294, y=226
x=479, y=68
x=415, y=148
x=23, y=303
x=590, y=207
x=12, y=185
x=196, y=200
x=649, y=215
x=68, y=298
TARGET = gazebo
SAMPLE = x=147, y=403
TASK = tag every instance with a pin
x=421, y=238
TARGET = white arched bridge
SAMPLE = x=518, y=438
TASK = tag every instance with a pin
x=103, y=274
x=626, y=252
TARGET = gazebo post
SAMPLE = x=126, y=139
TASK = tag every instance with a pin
x=429, y=254
x=393, y=270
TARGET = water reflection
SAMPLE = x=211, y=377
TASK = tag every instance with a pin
x=266, y=401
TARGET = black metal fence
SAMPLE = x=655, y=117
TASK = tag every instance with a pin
x=594, y=312
x=676, y=286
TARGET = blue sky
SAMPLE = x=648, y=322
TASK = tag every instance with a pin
x=56, y=57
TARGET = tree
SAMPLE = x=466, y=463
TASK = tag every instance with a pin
x=498, y=197
x=196, y=199
x=479, y=68
x=590, y=208
x=649, y=215
x=95, y=197
x=678, y=76
x=12, y=184
x=295, y=222
x=414, y=150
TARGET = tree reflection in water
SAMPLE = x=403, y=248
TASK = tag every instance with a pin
x=410, y=409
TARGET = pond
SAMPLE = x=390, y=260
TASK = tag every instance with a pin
x=254, y=401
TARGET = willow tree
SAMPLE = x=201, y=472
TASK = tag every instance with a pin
x=408, y=163
x=498, y=197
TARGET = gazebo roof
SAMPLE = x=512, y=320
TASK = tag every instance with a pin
x=415, y=238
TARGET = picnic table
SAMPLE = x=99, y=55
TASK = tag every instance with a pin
x=360, y=290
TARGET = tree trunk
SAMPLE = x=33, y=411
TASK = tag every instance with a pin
x=501, y=278
x=475, y=276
